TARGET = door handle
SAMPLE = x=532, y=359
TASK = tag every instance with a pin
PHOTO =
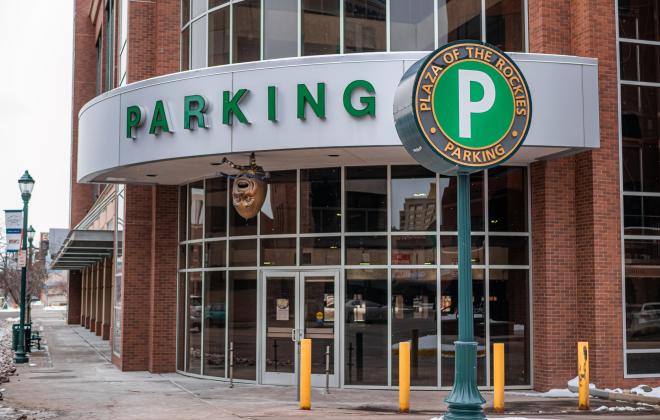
x=294, y=335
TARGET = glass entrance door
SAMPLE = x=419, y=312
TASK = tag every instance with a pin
x=299, y=305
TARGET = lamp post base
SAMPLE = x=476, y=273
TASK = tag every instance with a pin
x=465, y=402
x=21, y=358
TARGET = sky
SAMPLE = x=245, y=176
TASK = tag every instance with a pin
x=36, y=40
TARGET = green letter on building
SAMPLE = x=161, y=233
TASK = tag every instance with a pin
x=305, y=97
x=159, y=119
x=133, y=120
x=230, y=106
x=368, y=101
x=194, y=107
x=272, y=103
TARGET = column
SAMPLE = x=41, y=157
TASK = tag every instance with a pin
x=92, y=298
x=74, y=293
x=99, y=298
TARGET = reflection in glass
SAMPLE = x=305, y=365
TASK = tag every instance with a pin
x=320, y=200
x=509, y=322
x=365, y=340
x=219, y=37
x=215, y=254
x=641, y=215
x=639, y=62
x=364, y=26
x=194, y=327
x=280, y=320
x=320, y=251
x=415, y=250
x=196, y=213
x=449, y=250
x=243, y=253
x=215, y=318
x=366, y=199
x=195, y=255
x=185, y=11
x=185, y=49
x=247, y=31
x=411, y=25
x=216, y=207
x=642, y=294
x=278, y=214
x=366, y=250
x=448, y=206
x=508, y=250
x=320, y=26
x=280, y=29
x=181, y=322
x=243, y=322
x=413, y=199
x=643, y=363
x=278, y=251
x=638, y=19
x=458, y=19
x=319, y=319
x=507, y=199
x=198, y=39
x=449, y=319
x=197, y=7
x=238, y=226
x=214, y=3
x=414, y=319
x=505, y=23
x=640, y=107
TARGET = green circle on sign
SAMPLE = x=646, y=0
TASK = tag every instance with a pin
x=463, y=112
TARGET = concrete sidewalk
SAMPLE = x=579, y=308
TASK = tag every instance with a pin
x=72, y=378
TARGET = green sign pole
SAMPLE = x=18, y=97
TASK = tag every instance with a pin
x=465, y=401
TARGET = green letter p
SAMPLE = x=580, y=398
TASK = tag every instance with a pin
x=133, y=120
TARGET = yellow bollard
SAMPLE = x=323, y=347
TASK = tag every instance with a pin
x=583, y=375
x=404, y=376
x=498, y=377
x=306, y=374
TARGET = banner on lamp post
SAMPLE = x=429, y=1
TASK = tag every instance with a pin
x=13, y=229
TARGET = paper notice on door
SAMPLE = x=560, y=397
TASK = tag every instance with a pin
x=282, y=313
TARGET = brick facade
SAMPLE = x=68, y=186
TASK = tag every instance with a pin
x=74, y=293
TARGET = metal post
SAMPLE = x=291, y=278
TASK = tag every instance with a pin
x=21, y=356
x=231, y=364
x=327, y=369
x=465, y=401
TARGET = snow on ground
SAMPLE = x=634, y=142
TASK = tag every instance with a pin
x=619, y=408
x=646, y=391
x=9, y=310
x=553, y=393
x=502, y=418
x=55, y=308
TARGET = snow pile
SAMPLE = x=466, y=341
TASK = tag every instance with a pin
x=575, y=383
x=619, y=408
x=553, y=393
x=55, y=308
x=646, y=391
x=502, y=418
x=7, y=367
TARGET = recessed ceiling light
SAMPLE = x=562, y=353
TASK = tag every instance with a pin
x=216, y=163
x=152, y=175
x=333, y=155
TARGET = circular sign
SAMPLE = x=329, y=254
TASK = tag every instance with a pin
x=463, y=108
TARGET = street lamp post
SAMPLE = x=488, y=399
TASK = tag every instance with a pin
x=30, y=235
x=26, y=184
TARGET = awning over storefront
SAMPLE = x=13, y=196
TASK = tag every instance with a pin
x=83, y=248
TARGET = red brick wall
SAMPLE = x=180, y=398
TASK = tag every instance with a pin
x=74, y=294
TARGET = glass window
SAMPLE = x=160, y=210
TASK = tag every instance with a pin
x=181, y=322
x=198, y=35
x=216, y=207
x=216, y=255
x=320, y=200
x=638, y=19
x=413, y=199
x=640, y=107
x=243, y=253
x=449, y=250
x=185, y=49
x=194, y=329
x=364, y=26
x=508, y=250
x=194, y=255
x=219, y=37
x=278, y=214
x=278, y=251
x=643, y=363
x=449, y=319
x=243, y=322
x=183, y=212
x=196, y=212
x=507, y=199
x=509, y=321
x=642, y=294
x=215, y=3
x=325, y=250
x=366, y=315
x=197, y=7
x=247, y=31
x=238, y=226
x=411, y=25
x=280, y=29
x=639, y=62
x=458, y=19
x=185, y=11
x=320, y=27
x=448, y=206
x=505, y=24
x=641, y=215
x=366, y=199
x=414, y=319
x=415, y=250
x=366, y=250
x=215, y=313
